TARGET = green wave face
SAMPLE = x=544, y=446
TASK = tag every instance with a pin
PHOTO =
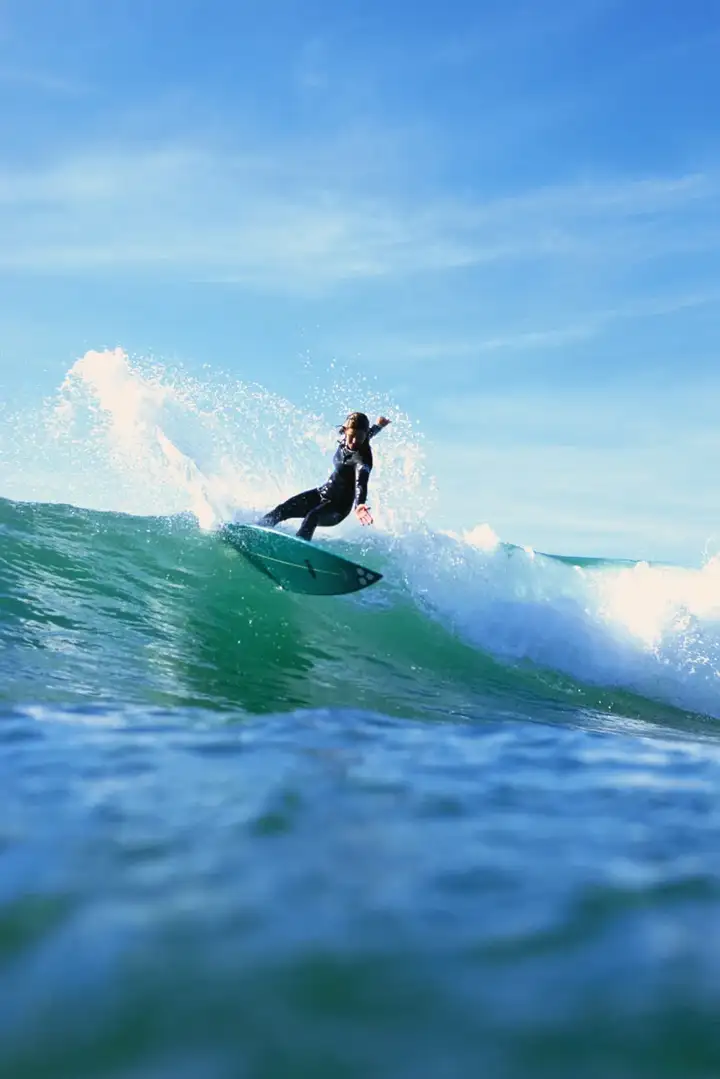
x=105, y=607
x=156, y=612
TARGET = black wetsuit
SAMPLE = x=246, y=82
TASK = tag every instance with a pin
x=332, y=502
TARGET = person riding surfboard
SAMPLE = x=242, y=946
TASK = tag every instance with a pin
x=344, y=490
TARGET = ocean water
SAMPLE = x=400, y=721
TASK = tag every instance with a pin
x=463, y=823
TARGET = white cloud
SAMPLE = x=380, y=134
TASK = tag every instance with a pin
x=281, y=221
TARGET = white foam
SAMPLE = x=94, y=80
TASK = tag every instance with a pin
x=654, y=630
x=482, y=536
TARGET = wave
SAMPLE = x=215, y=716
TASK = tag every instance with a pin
x=115, y=587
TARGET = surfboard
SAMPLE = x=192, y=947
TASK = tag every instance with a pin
x=297, y=565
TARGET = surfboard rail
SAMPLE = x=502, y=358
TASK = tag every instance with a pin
x=297, y=565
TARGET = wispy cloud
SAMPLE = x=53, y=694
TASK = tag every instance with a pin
x=44, y=81
x=274, y=220
x=583, y=327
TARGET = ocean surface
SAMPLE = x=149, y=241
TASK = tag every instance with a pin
x=463, y=823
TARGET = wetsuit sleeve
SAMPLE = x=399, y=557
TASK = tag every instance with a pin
x=362, y=475
x=374, y=430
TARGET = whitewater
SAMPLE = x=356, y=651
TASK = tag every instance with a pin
x=463, y=822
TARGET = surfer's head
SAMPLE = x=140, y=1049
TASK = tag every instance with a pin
x=355, y=429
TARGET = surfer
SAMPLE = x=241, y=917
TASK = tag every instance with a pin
x=346, y=488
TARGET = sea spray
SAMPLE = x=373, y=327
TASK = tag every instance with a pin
x=137, y=436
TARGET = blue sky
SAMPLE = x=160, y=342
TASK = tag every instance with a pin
x=506, y=214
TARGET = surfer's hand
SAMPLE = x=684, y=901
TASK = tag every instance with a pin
x=382, y=421
x=363, y=515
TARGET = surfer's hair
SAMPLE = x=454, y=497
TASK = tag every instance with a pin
x=355, y=421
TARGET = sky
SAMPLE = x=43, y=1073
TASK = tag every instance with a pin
x=505, y=215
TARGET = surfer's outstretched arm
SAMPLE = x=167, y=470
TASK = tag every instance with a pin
x=380, y=422
x=362, y=475
x=362, y=510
